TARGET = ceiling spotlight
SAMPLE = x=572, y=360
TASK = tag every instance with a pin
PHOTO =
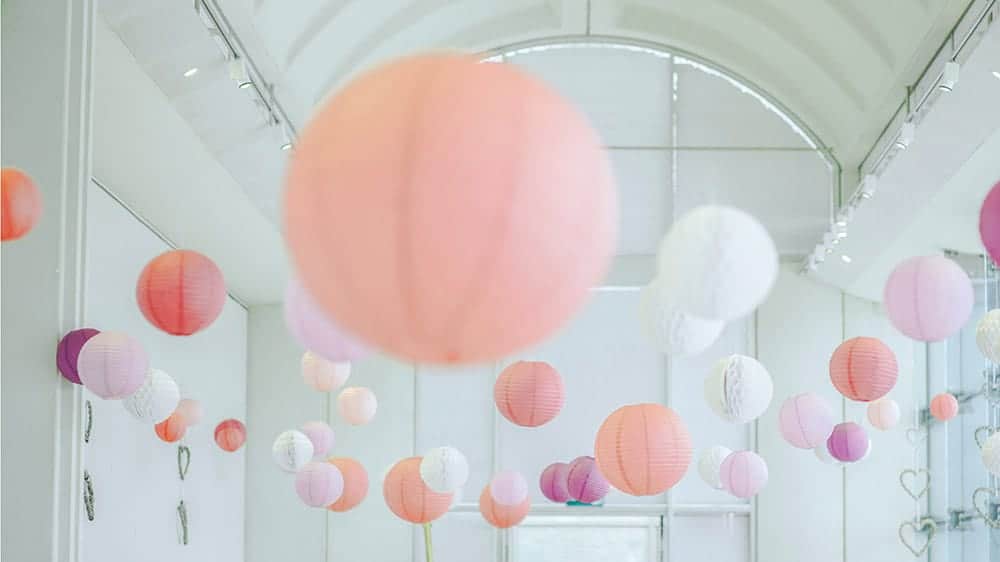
x=844, y=216
x=191, y=72
x=905, y=136
x=846, y=258
x=238, y=72
x=286, y=146
x=996, y=74
x=868, y=186
x=842, y=234
x=949, y=76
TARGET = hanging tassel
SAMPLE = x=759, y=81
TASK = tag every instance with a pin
x=182, y=520
x=88, y=495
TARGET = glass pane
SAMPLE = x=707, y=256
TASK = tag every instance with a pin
x=586, y=539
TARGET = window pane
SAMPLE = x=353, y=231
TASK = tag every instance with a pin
x=586, y=539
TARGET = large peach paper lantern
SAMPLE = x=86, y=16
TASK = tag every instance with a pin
x=499, y=515
x=643, y=449
x=21, y=204
x=863, y=369
x=944, y=406
x=448, y=211
x=989, y=223
x=316, y=331
x=322, y=374
x=883, y=413
x=357, y=405
x=409, y=497
x=230, y=435
x=112, y=365
x=68, y=351
x=155, y=400
x=355, y=483
x=805, y=420
x=928, y=298
x=318, y=484
x=181, y=292
x=529, y=393
x=171, y=429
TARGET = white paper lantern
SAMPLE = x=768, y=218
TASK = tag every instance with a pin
x=739, y=389
x=357, y=405
x=444, y=469
x=155, y=400
x=710, y=463
x=292, y=450
x=991, y=454
x=672, y=330
x=883, y=413
x=988, y=335
x=322, y=374
x=718, y=262
x=823, y=454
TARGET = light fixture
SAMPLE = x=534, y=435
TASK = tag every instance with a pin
x=905, y=137
x=996, y=74
x=842, y=234
x=191, y=72
x=846, y=258
x=844, y=216
x=949, y=76
x=819, y=253
x=238, y=72
x=868, y=186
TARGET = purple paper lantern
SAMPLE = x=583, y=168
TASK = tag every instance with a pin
x=319, y=484
x=743, y=474
x=585, y=482
x=989, y=223
x=848, y=442
x=806, y=420
x=315, y=331
x=928, y=298
x=69, y=350
x=321, y=435
x=554, y=482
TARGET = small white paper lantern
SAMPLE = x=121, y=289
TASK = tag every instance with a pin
x=739, y=389
x=991, y=454
x=883, y=413
x=671, y=329
x=823, y=454
x=322, y=374
x=444, y=469
x=292, y=450
x=718, y=262
x=155, y=400
x=357, y=405
x=710, y=465
x=988, y=335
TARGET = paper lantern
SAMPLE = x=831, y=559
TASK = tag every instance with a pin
x=988, y=335
x=357, y=405
x=292, y=450
x=409, y=498
x=508, y=487
x=155, y=400
x=643, y=449
x=324, y=375
x=68, y=351
x=989, y=223
x=991, y=454
x=710, y=465
x=355, y=484
x=717, y=263
x=191, y=410
x=805, y=420
x=321, y=436
x=444, y=469
x=316, y=331
x=554, y=482
x=739, y=389
x=319, y=484
x=112, y=365
x=418, y=263
x=823, y=454
x=671, y=329
x=584, y=481
x=848, y=442
x=944, y=406
x=230, y=435
x=499, y=515
x=883, y=413
x=743, y=474
x=181, y=292
x=928, y=298
x=22, y=204
x=863, y=369
x=529, y=393
x=171, y=429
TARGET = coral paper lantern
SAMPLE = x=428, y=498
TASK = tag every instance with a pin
x=316, y=331
x=988, y=335
x=444, y=469
x=554, y=482
x=743, y=474
x=643, y=449
x=230, y=435
x=989, y=223
x=499, y=515
x=863, y=369
x=671, y=329
x=321, y=435
x=928, y=298
x=739, y=389
x=171, y=429
x=155, y=400
x=355, y=484
x=292, y=450
x=508, y=487
x=68, y=351
x=112, y=365
x=181, y=292
x=883, y=413
x=319, y=484
x=322, y=374
x=409, y=498
x=944, y=406
x=584, y=481
x=718, y=262
x=529, y=393
x=417, y=262
x=710, y=465
x=192, y=411
x=805, y=420
x=991, y=454
x=21, y=204
x=848, y=443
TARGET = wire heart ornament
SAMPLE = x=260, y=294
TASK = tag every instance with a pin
x=915, y=435
x=183, y=461
x=908, y=480
x=925, y=526
x=992, y=521
x=982, y=433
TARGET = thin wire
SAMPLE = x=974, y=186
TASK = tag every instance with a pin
x=90, y=422
x=88, y=495
x=183, y=520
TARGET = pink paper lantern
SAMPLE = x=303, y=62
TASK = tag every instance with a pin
x=230, y=435
x=316, y=331
x=171, y=429
x=319, y=484
x=883, y=414
x=409, y=497
x=928, y=298
x=863, y=369
x=68, y=351
x=191, y=410
x=112, y=365
x=529, y=393
x=848, y=442
x=643, y=449
x=554, y=482
x=181, y=292
x=805, y=420
x=584, y=481
x=944, y=406
x=357, y=405
x=743, y=474
x=322, y=437
x=322, y=374
x=499, y=515
x=386, y=233
x=509, y=487
x=989, y=223
x=21, y=204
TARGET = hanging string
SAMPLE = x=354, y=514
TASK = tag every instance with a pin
x=428, y=547
x=183, y=464
x=90, y=422
x=88, y=495
x=182, y=519
x=183, y=460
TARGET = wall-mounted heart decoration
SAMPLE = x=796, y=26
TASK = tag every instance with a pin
x=183, y=460
x=982, y=433
x=915, y=435
x=982, y=507
x=909, y=531
x=915, y=482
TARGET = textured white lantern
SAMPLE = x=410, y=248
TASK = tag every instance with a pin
x=991, y=454
x=444, y=469
x=739, y=389
x=155, y=400
x=718, y=262
x=710, y=464
x=292, y=450
x=671, y=329
x=988, y=335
